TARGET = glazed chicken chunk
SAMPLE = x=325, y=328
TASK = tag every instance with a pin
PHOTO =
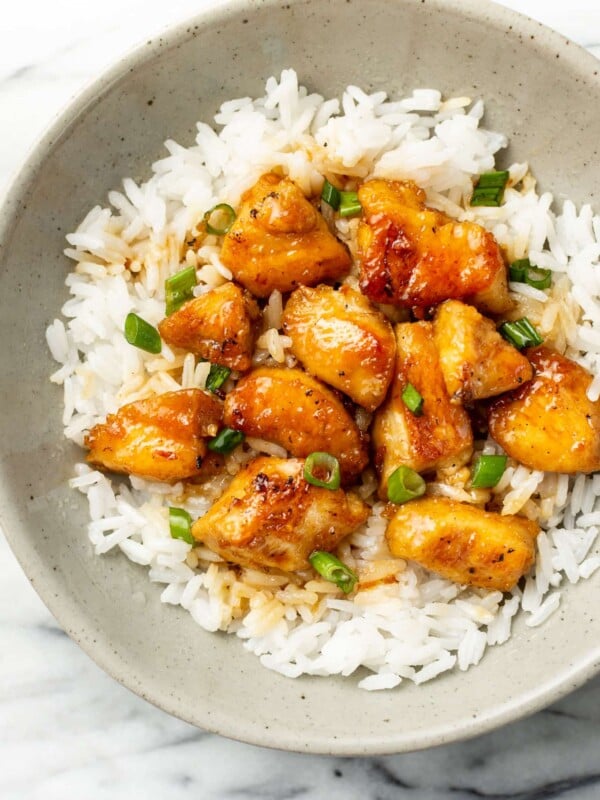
x=475, y=360
x=297, y=412
x=464, y=543
x=340, y=338
x=550, y=424
x=220, y=326
x=440, y=437
x=412, y=255
x=161, y=438
x=280, y=241
x=271, y=517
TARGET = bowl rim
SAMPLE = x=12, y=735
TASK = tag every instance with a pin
x=71, y=620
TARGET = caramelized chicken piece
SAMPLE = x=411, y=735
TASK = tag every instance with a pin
x=339, y=337
x=280, y=241
x=475, y=360
x=464, y=543
x=292, y=409
x=412, y=255
x=271, y=517
x=160, y=438
x=550, y=424
x=220, y=326
x=441, y=436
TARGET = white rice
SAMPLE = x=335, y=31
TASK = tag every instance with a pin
x=418, y=625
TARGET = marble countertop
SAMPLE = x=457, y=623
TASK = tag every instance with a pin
x=67, y=730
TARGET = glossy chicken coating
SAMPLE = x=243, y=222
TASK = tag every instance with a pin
x=412, y=255
x=476, y=361
x=161, y=438
x=464, y=543
x=441, y=436
x=271, y=517
x=280, y=241
x=220, y=326
x=339, y=337
x=550, y=424
x=292, y=409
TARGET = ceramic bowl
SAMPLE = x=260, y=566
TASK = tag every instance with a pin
x=540, y=89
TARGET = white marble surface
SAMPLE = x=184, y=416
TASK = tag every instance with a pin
x=69, y=731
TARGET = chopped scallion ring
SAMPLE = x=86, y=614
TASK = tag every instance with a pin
x=180, y=524
x=412, y=400
x=334, y=570
x=404, y=484
x=521, y=333
x=349, y=204
x=141, y=334
x=226, y=441
x=323, y=470
x=331, y=195
x=487, y=471
x=179, y=288
x=219, y=219
x=521, y=271
x=217, y=377
x=489, y=189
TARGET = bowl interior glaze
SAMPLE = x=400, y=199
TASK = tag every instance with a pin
x=541, y=90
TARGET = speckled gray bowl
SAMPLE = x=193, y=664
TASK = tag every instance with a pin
x=540, y=89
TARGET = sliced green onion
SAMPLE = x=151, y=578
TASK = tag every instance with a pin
x=489, y=189
x=225, y=217
x=521, y=271
x=180, y=524
x=226, y=441
x=323, y=469
x=487, y=471
x=404, y=484
x=521, y=333
x=412, y=400
x=334, y=570
x=141, y=334
x=349, y=204
x=179, y=288
x=217, y=377
x=331, y=195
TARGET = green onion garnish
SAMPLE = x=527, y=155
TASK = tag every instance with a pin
x=323, y=469
x=179, y=288
x=334, y=570
x=412, y=400
x=226, y=441
x=180, y=524
x=331, y=195
x=489, y=189
x=521, y=271
x=404, y=484
x=521, y=333
x=217, y=377
x=219, y=219
x=487, y=471
x=141, y=334
x=349, y=204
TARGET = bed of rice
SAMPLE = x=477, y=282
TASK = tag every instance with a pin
x=410, y=624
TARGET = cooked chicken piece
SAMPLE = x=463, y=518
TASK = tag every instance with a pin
x=412, y=255
x=220, y=326
x=292, y=409
x=463, y=543
x=441, y=436
x=271, y=517
x=161, y=438
x=280, y=241
x=550, y=424
x=339, y=337
x=476, y=361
